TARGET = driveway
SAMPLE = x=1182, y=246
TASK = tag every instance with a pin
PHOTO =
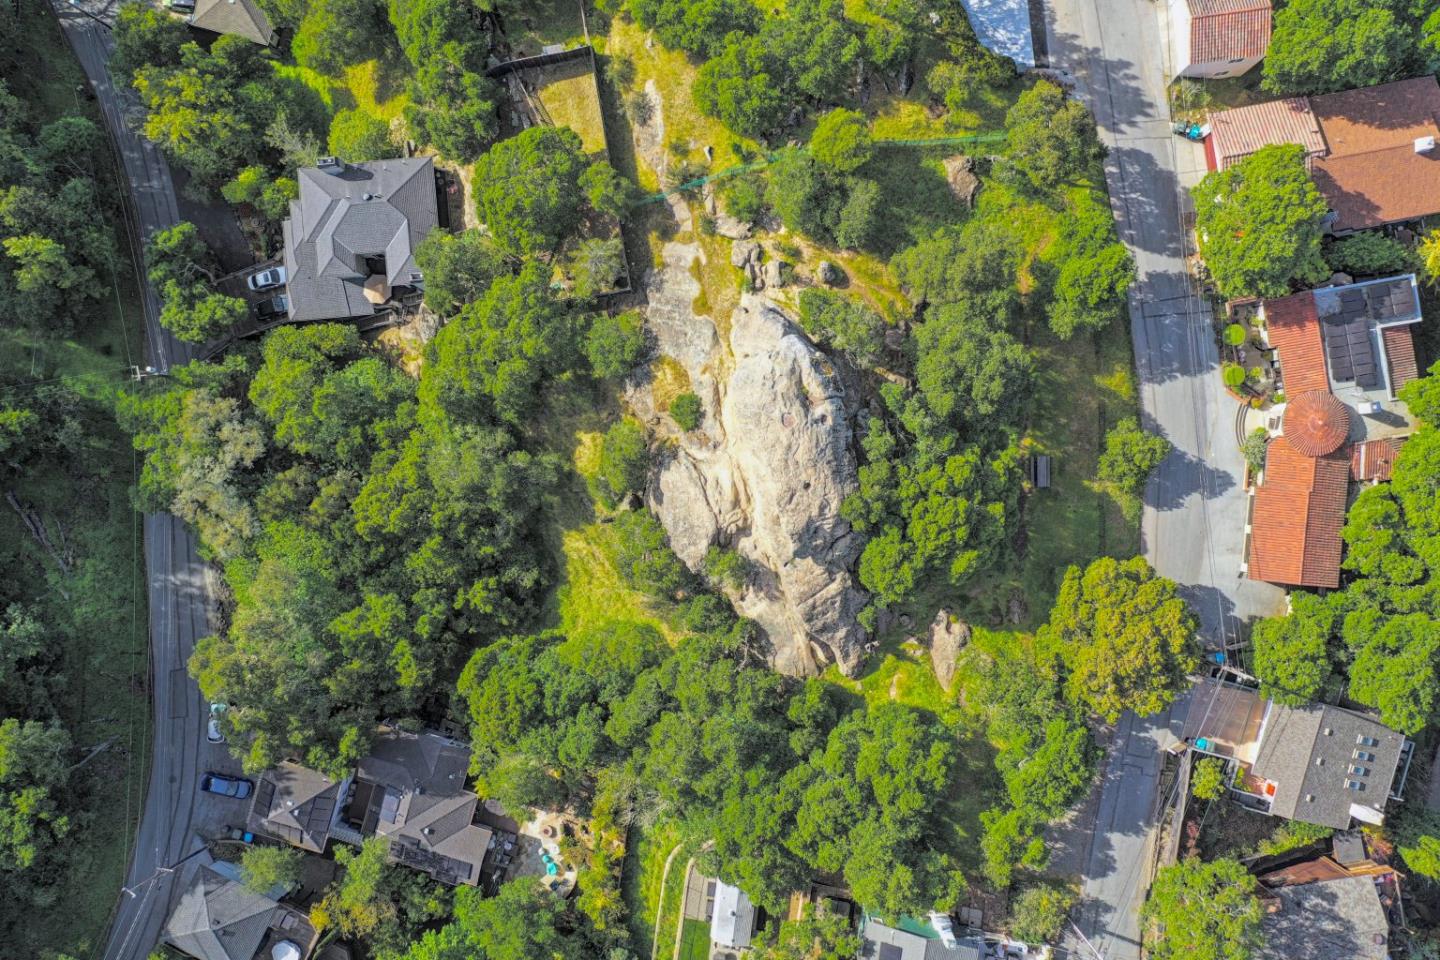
x=1192, y=528
x=176, y=815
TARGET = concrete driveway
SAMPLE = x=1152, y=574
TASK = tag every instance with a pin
x=176, y=816
x=1192, y=528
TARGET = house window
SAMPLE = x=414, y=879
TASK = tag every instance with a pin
x=1355, y=785
x=1362, y=755
x=1365, y=741
x=1359, y=771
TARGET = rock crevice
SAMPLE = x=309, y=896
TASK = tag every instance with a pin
x=771, y=489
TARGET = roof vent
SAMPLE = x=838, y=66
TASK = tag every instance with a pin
x=331, y=165
x=367, y=196
x=1424, y=144
x=1309, y=798
x=1319, y=761
x=1329, y=731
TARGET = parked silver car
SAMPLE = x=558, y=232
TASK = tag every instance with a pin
x=266, y=279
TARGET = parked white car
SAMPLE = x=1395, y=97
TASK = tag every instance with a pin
x=213, y=733
x=266, y=279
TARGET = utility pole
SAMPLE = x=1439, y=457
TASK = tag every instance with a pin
x=130, y=891
x=75, y=5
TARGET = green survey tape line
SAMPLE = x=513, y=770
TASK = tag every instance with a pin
x=743, y=168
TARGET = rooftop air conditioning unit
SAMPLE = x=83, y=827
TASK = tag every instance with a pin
x=1424, y=144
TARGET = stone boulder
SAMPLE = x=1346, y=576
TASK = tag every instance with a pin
x=769, y=482
x=829, y=274
x=948, y=637
x=960, y=173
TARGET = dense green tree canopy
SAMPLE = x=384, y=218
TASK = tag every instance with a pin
x=841, y=140
x=1259, y=223
x=501, y=348
x=335, y=34
x=1203, y=911
x=1321, y=46
x=615, y=343
x=1128, y=640
x=458, y=268
x=1130, y=455
x=452, y=102
x=1051, y=138
x=528, y=189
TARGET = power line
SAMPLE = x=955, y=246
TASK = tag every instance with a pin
x=743, y=168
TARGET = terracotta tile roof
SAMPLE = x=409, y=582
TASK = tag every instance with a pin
x=1228, y=29
x=1399, y=343
x=1240, y=132
x=1293, y=328
x=1299, y=510
x=1371, y=174
x=1374, y=459
x=1316, y=423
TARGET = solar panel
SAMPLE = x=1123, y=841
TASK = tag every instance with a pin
x=1347, y=342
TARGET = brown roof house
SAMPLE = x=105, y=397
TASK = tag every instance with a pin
x=410, y=789
x=1330, y=899
x=1316, y=763
x=1210, y=39
x=217, y=918
x=241, y=18
x=352, y=233
x=1373, y=152
x=1343, y=354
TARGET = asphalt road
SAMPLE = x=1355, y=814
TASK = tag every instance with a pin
x=176, y=814
x=1192, y=528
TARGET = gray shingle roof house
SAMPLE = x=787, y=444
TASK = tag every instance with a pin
x=1330, y=920
x=239, y=17
x=218, y=919
x=1328, y=765
x=880, y=941
x=411, y=788
x=352, y=233
x=295, y=804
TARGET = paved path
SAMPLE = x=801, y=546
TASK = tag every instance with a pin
x=176, y=815
x=1192, y=529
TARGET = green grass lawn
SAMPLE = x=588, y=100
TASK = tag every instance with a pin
x=694, y=940
x=106, y=611
x=646, y=850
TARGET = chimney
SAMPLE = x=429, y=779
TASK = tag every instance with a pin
x=331, y=165
x=1424, y=144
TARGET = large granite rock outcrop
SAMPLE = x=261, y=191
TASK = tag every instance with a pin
x=765, y=476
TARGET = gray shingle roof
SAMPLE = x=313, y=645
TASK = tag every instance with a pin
x=295, y=804
x=1330, y=920
x=218, y=919
x=879, y=941
x=239, y=17
x=434, y=815
x=1309, y=753
x=381, y=209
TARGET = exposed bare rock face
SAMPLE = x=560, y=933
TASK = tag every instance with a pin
x=765, y=475
x=948, y=637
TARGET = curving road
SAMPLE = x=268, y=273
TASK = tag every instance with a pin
x=1192, y=528
x=176, y=816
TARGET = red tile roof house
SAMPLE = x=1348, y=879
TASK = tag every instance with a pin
x=1373, y=152
x=1210, y=39
x=1343, y=354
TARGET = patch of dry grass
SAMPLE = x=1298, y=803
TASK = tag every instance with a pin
x=668, y=381
x=567, y=92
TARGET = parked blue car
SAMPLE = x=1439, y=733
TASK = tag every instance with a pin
x=221, y=785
